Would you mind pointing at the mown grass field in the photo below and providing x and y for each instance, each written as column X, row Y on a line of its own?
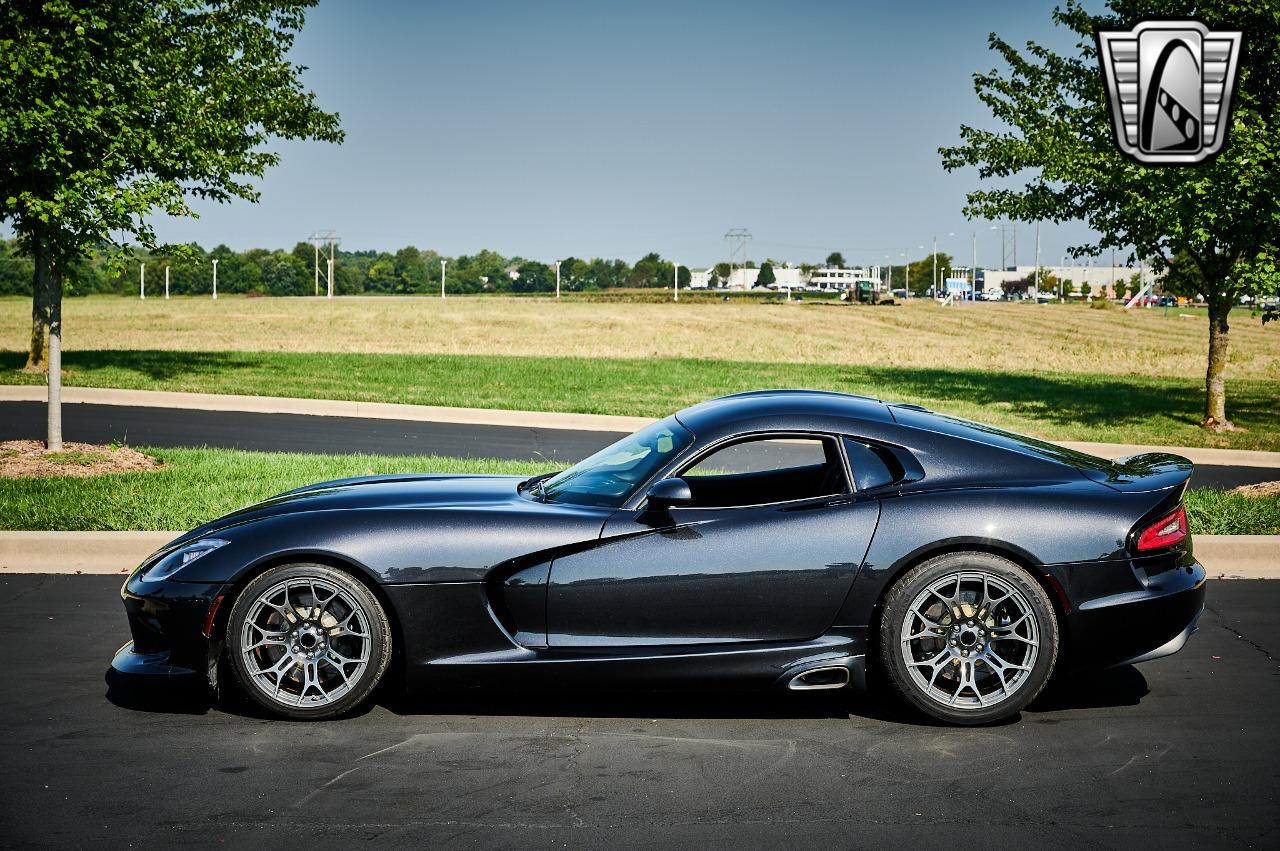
column 1000, row 337
column 1057, row 406
column 197, row 485
column 1059, row 372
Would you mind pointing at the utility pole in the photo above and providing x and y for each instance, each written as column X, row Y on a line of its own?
column 1037, row 258
column 557, row 279
column 322, row 239
column 166, row 283
column 215, row 280
column 675, row 279
column 142, row 281
column 974, row 266
column 935, row 267
column 738, row 239
column 442, row 264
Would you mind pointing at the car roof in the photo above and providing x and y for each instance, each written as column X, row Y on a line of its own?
column 756, row 404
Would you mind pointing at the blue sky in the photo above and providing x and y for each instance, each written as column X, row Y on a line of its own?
column 552, row 129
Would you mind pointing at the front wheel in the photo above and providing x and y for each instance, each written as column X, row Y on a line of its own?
column 307, row 641
column 968, row 638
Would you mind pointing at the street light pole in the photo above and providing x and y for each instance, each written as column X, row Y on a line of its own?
column 142, row 282
column 934, row 285
column 215, row 280
column 442, row 265
column 1037, row 259
column 166, row 283
column 675, row 280
column 557, row 279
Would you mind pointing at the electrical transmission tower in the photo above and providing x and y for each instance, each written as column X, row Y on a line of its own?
column 1008, row 239
column 325, row 239
column 737, row 239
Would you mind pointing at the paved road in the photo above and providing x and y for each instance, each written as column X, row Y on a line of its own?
column 302, row 433
column 1177, row 752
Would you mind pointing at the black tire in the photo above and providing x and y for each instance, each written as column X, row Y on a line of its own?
column 328, row 642
column 911, row 589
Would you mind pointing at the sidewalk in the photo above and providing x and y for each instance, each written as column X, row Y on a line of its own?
column 1224, row 556
column 498, row 417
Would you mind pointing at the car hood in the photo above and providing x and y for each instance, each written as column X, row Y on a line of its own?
column 378, row 492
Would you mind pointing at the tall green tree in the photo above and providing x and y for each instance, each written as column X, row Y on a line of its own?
column 1056, row 141
column 111, row 111
column 835, row 260
column 766, row 278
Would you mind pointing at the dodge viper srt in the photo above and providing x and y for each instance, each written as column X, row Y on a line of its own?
column 782, row 539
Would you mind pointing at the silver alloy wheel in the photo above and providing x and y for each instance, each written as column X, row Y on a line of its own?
column 305, row 642
column 970, row 640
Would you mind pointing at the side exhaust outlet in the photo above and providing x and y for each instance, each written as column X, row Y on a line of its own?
column 818, row 678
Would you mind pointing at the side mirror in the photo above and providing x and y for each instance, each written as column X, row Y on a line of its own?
column 669, row 492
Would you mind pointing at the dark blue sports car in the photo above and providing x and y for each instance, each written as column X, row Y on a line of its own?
column 781, row 539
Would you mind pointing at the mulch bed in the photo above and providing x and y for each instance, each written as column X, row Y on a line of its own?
column 25, row 459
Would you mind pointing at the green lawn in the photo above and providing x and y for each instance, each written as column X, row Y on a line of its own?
column 1057, row 406
column 200, row 484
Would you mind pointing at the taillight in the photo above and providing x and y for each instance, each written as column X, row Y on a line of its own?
column 1165, row 532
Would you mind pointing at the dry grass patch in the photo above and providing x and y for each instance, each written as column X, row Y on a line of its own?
column 27, row 459
column 998, row 337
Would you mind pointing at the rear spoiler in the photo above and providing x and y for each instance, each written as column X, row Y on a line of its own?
column 1150, row 471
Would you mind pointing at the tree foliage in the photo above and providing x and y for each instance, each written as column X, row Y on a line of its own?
column 112, row 111
column 1056, row 141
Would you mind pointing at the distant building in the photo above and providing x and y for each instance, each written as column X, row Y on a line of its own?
column 837, row 278
column 1102, row 280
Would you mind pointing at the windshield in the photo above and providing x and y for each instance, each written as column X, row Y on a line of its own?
column 607, row 478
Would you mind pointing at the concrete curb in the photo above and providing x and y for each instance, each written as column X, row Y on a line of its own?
column 1225, row 556
column 499, row 417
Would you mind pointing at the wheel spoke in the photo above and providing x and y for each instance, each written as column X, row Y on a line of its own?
column 287, row 616
column 970, row 600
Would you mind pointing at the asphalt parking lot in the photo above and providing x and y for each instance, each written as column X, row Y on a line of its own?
column 1177, row 752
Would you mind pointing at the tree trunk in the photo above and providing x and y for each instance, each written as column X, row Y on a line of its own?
column 1215, row 399
column 46, row 335
column 46, row 306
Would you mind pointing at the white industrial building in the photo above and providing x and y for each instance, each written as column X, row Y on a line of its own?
column 1101, row 279
column 786, row 278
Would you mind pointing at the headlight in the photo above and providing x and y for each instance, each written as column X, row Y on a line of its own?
column 182, row 556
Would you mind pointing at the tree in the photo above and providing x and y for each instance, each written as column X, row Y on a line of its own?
column 766, row 278
column 110, row 112
column 1224, row 214
column 835, row 260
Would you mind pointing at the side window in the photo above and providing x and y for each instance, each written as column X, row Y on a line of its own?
column 767, row 470
column 869, row 467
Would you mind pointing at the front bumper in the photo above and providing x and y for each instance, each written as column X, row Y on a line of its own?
column 167, row 620
column 1138, row 626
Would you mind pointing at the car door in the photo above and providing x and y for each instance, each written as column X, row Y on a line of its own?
column 767, row 552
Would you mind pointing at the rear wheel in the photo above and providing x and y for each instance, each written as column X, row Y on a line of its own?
column 968, row 638
column 307, row 641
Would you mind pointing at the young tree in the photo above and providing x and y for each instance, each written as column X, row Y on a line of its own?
column 767, row 278
column 1223, row 214
column 835, row 260
column 112, row 111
